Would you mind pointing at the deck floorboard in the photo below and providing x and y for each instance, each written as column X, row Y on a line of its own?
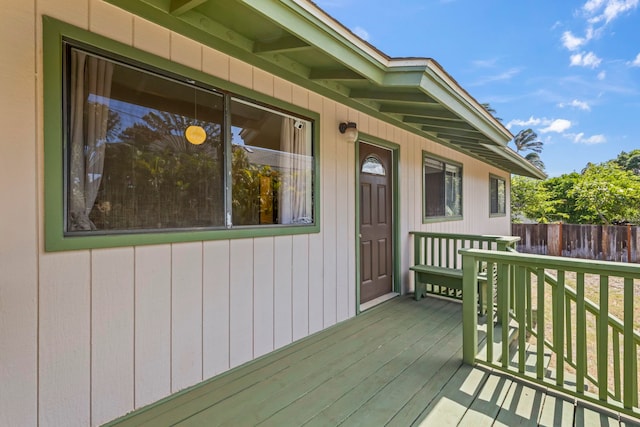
column 398, row 364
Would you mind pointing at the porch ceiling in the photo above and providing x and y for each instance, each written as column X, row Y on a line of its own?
column 297, row 41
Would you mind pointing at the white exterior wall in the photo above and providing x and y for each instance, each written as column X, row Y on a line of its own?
column 87, row 336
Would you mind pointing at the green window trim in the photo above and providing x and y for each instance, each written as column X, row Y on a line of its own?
column 55, row 33
column 497, row 213
column 441, row 218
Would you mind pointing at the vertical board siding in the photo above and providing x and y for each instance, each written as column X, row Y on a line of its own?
column 263, row 294
column 282, row 297
column 342, row 219
column 329, row 126
column 186, row 51
column 64, row 356
column 110, row 21
column 316, row 253
column 152, row 323
column 114, row 330
column 152, row 38
column 186, row 315
column 18, row 226
column 300, row 287
column 215, row 303
column 112, row 359
column 240, row 302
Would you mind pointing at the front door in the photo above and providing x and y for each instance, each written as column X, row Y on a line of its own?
column 376, row 222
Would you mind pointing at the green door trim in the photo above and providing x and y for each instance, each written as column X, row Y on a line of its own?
column 395, row 209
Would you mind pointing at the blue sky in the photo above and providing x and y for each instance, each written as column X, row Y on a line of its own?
column 570, row 70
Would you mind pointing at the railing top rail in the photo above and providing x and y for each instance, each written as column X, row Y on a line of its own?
column 477, row 237
column 606, row 268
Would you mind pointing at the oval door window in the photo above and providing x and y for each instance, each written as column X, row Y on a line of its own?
column 373, row 166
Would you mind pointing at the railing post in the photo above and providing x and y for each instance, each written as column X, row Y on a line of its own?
column 501, row 245
column 469, row 308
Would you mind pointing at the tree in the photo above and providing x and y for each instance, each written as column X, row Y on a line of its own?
column 559, row 189
column 490, row 110
column 527, row 140
column 629, row 161
column 530, row 199
column 607, row 194
column 535, row 160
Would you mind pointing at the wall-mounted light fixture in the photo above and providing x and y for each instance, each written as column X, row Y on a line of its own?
column 350, row 131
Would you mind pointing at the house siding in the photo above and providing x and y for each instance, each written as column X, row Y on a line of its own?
column 87, row 336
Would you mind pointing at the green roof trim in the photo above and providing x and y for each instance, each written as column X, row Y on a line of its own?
column 297, row 41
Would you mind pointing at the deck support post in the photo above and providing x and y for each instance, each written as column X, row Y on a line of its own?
column 469, row 308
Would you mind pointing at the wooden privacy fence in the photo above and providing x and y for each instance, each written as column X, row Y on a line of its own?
column 597, row 242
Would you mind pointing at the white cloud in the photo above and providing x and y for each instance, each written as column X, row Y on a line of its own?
column 581, row 105
column 593, row 5
column 572, row 42
column 592, row 140
column 551, row 125
column 557, row 125
column 361, row 32
column 635, row 62
column 529, row 122
column 582, row 59
column 506, row 75
column 602, row 75
column 607, row 10
column 484, row 63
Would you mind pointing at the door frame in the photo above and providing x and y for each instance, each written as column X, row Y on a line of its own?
column 395, row 209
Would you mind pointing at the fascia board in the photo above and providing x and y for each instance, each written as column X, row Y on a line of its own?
column 329, row 37
column 514, row 157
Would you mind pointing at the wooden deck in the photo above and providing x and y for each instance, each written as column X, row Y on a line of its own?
column 398, row 364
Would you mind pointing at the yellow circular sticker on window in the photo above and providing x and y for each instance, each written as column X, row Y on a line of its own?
column 195, row 134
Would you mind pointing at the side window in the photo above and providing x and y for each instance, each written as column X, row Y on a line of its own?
column 442, row 188
column 497, row 195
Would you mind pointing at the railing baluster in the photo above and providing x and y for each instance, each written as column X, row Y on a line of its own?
column 540, row 326
column 529, row 302
column 469, row 309
column 581, row 335
column 558, row 328
column 617, row 377
column 489, row 312
column 520, row 315
column 629, row 397
column 448, row 249
column 504, row 288
column 569, row 334
column 455, row 253
column 433, row 251
column 602, row 339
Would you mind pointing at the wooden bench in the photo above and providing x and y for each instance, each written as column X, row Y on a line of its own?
column 450, row 278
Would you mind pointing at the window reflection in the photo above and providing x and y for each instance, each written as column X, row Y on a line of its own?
column 373, row 166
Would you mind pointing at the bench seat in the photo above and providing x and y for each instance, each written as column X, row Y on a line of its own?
column 450, row 278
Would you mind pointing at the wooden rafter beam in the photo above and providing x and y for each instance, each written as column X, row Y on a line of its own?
column 454, row 138
column 281, row 45
column 410, row 110
column 335, row 74
column 378, row 95
column 451, row 130
column 179, row 7
column 447, row 124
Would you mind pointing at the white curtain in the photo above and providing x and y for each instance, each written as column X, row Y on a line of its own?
column 296, row 167
column 90, row 91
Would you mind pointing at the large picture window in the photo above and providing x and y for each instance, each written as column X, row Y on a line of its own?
column 442, row 188
column 497, row 195
column 145, row 151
